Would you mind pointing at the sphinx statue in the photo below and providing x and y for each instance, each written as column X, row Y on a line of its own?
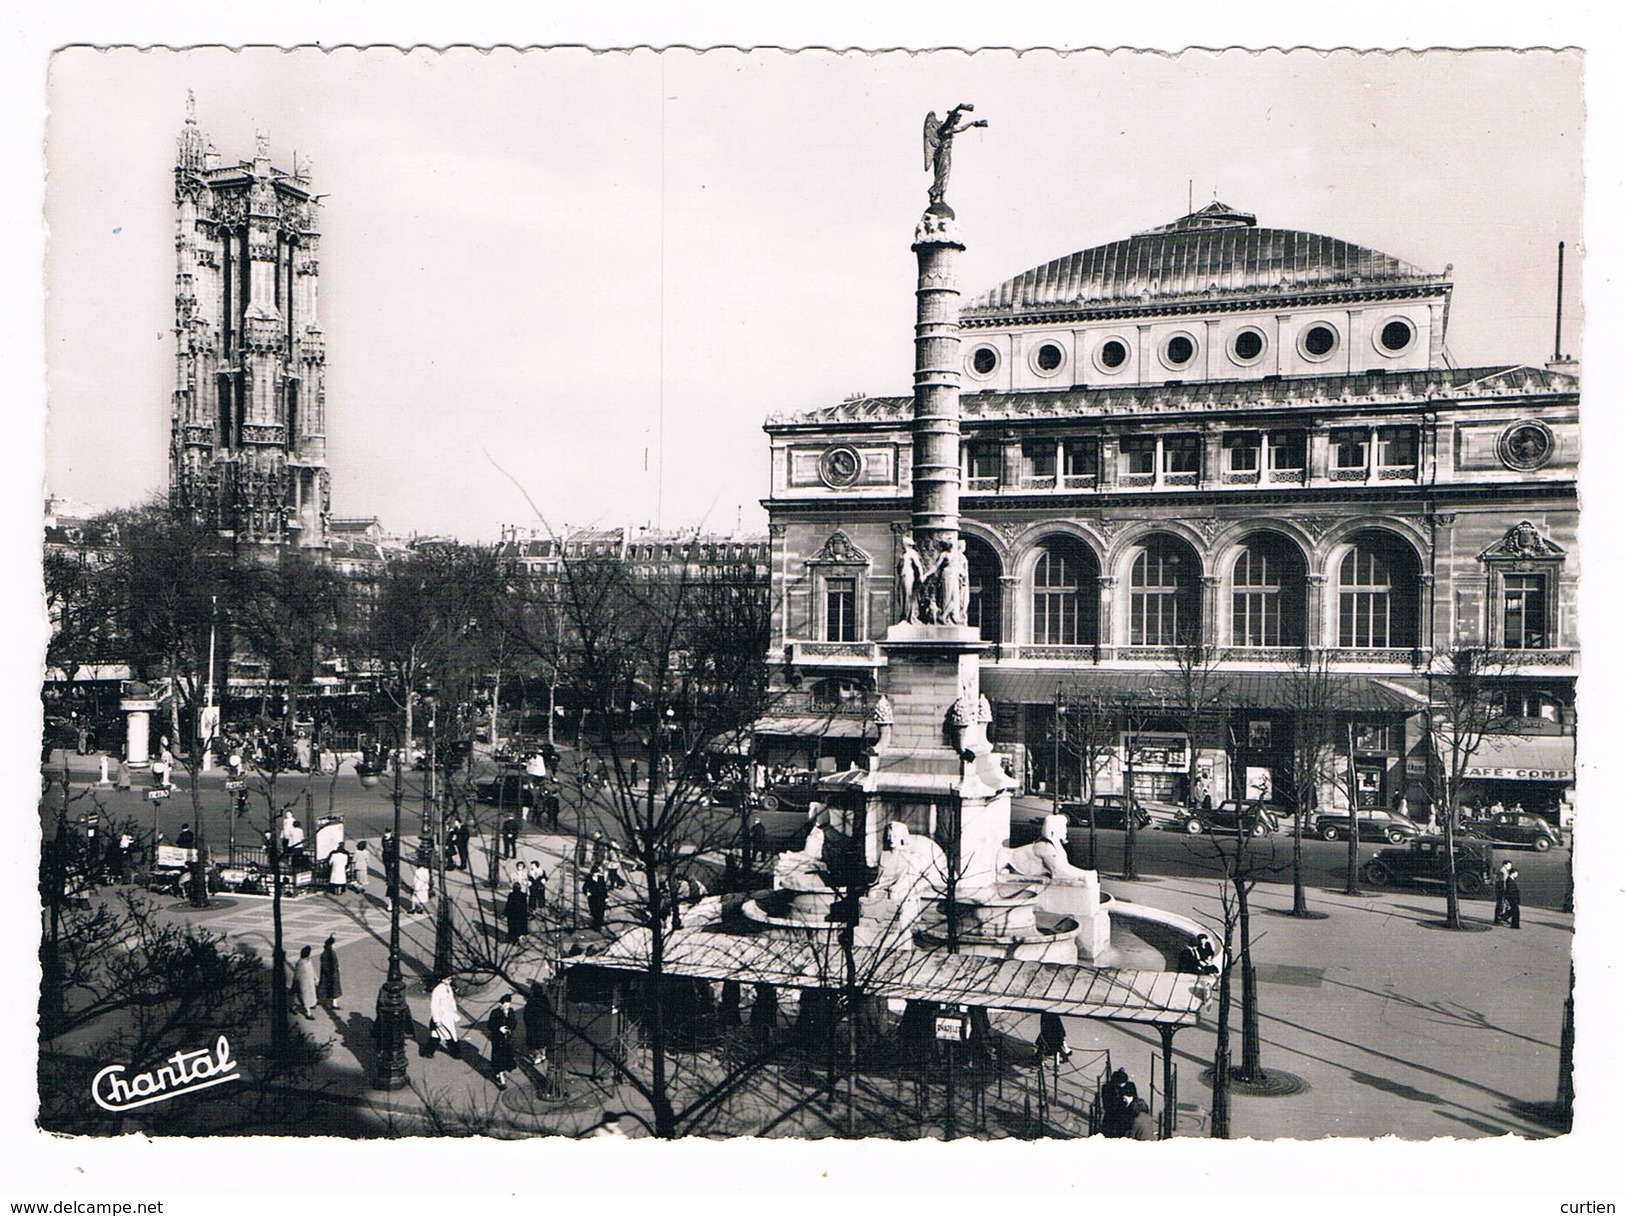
column 1045, row 857
column 911, row 869
column 803, row 870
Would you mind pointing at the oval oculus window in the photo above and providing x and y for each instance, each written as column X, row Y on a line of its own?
column 984, row 360
column 1113, row 354
column 1179, row 350
column 1049, row 357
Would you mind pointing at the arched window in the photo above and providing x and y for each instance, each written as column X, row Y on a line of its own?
column 1163, row 598
column 1267, row 598
column 1056, row 593
column 1377, row 596
column 1066, row 595
column 983, row 612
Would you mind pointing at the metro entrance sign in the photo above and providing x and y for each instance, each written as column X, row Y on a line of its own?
column 158, row 794
column 955, row 1027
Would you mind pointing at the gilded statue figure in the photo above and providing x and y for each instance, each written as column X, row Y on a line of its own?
column 939, row 147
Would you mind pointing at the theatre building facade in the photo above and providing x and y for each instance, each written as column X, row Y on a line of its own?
column 1217, row 439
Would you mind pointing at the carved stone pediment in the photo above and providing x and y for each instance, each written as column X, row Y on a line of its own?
column 839, row 550
column 1521, row 542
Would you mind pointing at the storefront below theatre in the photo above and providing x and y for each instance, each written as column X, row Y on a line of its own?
column 1535, row 772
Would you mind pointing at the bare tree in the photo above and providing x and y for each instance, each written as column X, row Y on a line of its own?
column 1311, row 701
column 1465, row 709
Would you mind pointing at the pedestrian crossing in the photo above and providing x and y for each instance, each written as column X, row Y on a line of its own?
column 307, row 920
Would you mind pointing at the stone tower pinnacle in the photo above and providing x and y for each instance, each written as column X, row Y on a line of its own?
column 248, row 445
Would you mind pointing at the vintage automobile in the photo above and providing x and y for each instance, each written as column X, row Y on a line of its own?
column 1110, row 810
column 1376, row 823
column 510, row 789
column 793, row 791
column 1424, row 860
column 1512, row 828
column 1229, row 817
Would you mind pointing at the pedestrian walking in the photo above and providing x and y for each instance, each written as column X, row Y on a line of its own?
column 536, row 882
column 517, row 913
column 442, row 1020
column 184, row 839
column 420, row 888
column 303, row 988
column 330, row 987
column 1052, row 1036
column 598, row 849
column 1117, row 1105
column 634, row 772
column 551, row 805
column 1514, row 899
column 338, row 871
column 1501, row 890
column 764, row 1012
column 758, row 842
column 728, row 1006
column 499, row 1026
column 363, row 877
column 597, row 891
column 389, row 853
column 612, row 867
column 121, row 780
column 539, row 1030
column 510, row 837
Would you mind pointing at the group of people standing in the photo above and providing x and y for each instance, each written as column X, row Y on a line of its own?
column 445, row 1033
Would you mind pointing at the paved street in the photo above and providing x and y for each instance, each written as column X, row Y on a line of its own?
column 1394, row 1024
column 367, row 813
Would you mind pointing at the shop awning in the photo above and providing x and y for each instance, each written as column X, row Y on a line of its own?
column 1229, row 690
column 812, row 726
column 1523, row 758
column 918, row 975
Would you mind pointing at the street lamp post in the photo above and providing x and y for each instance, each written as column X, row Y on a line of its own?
column 442, row 920
column 392, row 1015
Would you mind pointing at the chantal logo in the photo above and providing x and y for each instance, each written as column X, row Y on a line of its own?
column 182, row 1073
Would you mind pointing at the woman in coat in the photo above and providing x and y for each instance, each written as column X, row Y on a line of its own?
column 304, row 985
column 443, row 1018
column 500, row 1027
column 420, row 889
column 329, row 986
column 517, row 912
column 538, row 1023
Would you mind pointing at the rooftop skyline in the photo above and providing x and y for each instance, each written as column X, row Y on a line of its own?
column 592, row 278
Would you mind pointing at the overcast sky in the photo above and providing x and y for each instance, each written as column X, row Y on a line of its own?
column 597, row 274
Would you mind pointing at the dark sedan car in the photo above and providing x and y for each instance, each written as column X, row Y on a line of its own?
column 1424, row 860
column 1510, row 828
column 1229, row 816
column 1376, row 823
column 1111, row 811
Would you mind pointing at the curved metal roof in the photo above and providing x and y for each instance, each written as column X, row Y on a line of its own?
column 1216, row 249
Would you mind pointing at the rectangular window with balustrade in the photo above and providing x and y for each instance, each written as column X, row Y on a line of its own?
column 1242, row 450
column 1139, row 455
column 1182, row 454
column 1082, row 457
column 1038, row 458
column 1287, row 450
column 1349, row 449
column 1523, row 612
column 1396, row 447
column 840, row 609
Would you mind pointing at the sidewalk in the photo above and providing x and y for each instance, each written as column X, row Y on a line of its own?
column 1395, row 1026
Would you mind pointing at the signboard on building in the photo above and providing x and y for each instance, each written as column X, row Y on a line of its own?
column 1159, row 751
column 955, row 1027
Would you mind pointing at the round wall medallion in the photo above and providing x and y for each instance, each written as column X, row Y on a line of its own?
column 1526, row 444
column 840, row 467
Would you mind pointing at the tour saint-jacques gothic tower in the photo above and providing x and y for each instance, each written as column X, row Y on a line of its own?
column 248, row 448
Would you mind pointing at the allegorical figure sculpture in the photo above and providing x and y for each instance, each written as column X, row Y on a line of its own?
column 910, row 582
column 953, row 583
column 939, row 147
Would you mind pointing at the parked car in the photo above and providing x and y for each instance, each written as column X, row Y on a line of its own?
column 1424, row 860
column 793, row 791
column 1510, row 828
column 1229, row 817
column 510, row 790
column 1111, row 811
column 450, row 755
column 1376, row 823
